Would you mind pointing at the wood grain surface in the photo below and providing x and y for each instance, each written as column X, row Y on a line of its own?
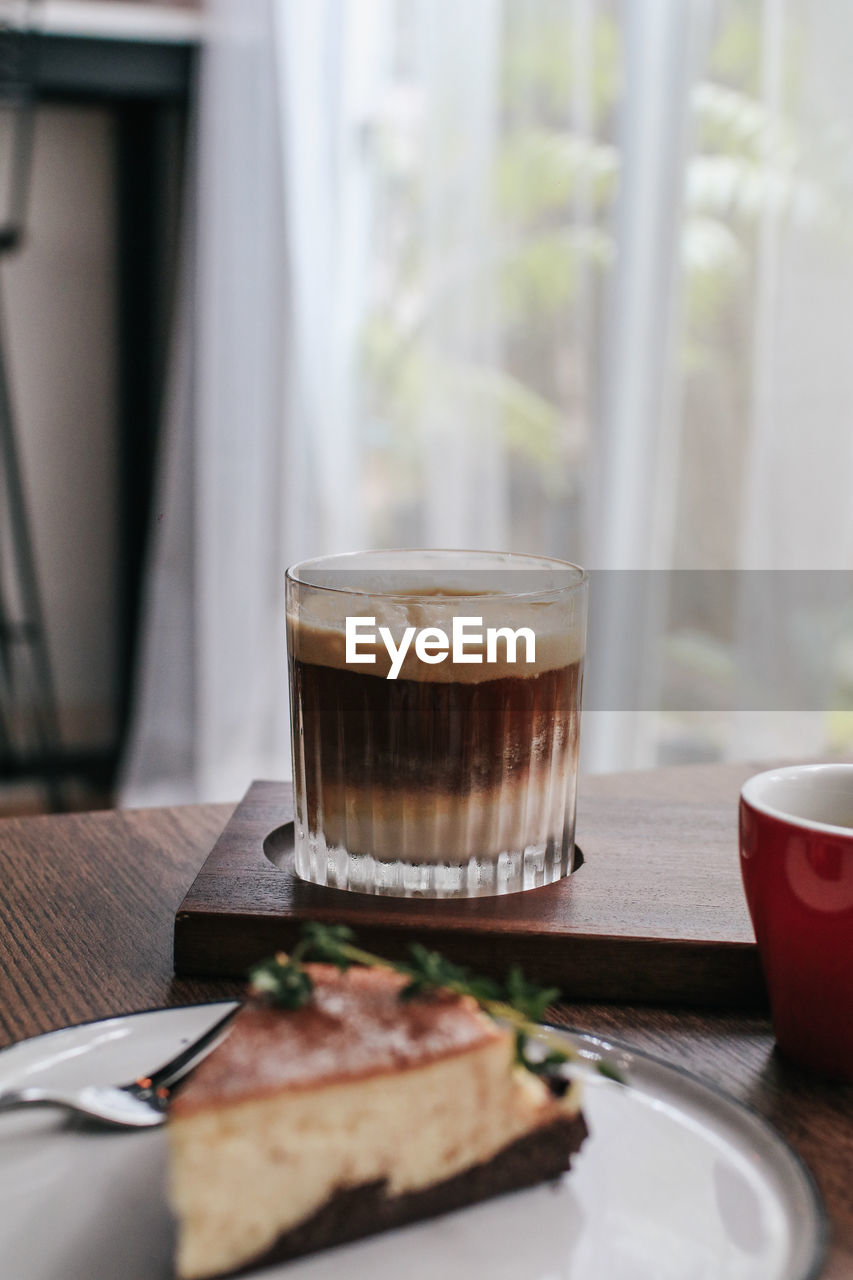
column 655, row 914
column 87, row 908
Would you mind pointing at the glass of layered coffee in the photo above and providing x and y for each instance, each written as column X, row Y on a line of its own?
column 435, row 708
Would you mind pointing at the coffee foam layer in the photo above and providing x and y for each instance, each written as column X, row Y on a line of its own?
column 316, row 629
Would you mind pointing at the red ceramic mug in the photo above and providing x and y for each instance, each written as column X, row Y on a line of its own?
column 796, row 859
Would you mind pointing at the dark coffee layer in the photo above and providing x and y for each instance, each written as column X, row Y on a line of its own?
column 367, row 1210
column 358, row 731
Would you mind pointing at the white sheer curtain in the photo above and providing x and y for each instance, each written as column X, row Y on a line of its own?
column 566, row 276
column 798, row 470
column 210, row 695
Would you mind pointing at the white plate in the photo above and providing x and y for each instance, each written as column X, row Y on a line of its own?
column 676, row 1182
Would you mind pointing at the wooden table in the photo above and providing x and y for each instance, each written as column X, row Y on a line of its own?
column 87, row 903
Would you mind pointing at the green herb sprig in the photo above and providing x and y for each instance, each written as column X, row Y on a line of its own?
column 517, row 1002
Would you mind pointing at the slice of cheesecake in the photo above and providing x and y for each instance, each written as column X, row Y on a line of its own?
column 358, row 1112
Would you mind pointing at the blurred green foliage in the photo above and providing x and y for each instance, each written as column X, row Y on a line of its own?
column 541, row 52
column 536, row 286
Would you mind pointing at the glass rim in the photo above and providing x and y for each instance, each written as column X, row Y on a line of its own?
column 292, row 573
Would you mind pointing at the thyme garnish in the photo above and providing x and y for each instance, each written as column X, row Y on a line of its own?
column 521, row 1004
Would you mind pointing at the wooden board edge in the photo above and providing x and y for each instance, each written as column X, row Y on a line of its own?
column 585, row 967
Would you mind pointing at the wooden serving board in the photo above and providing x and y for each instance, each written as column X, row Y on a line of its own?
column 655, row 915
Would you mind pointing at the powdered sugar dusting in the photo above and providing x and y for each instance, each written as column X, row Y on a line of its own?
column 355, row 1026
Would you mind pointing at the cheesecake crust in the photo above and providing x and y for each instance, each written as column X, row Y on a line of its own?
column 355, row 1026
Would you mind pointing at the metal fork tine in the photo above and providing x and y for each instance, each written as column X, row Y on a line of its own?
column 174, row 1070
column 140, row 1105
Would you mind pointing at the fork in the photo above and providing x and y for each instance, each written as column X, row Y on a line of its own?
column 142, row 1104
